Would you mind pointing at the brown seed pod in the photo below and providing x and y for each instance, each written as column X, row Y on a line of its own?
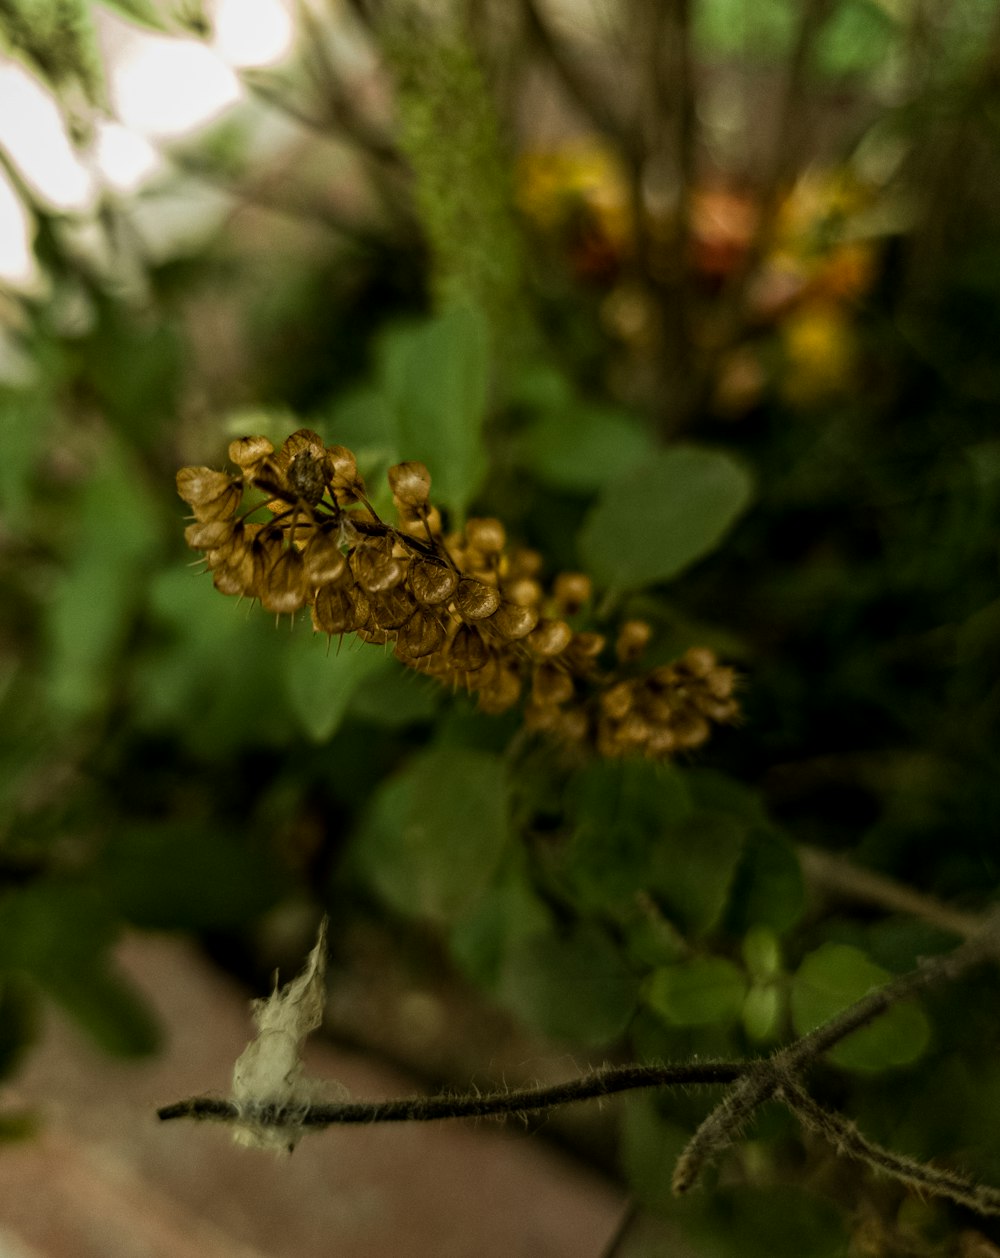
column 392, row 608
column 248, row 452
column 374, row 567
column 467, row 651
column 633, row 638
column 210, row 534
column 571, row 591
column 285, row 587
column 618, row 700
column 338, row 609
column 502, row 693
column 432, row 582
column 211, row 495
column 699, row 661
column 487, row 536
column 342, row 474
column 551, row 685
column 474, row 600
column 550, row 638
column 410, row 484
column 512, row 622
column 524, row 591
column 422, row 634
column 307, row 475
column 323, row 558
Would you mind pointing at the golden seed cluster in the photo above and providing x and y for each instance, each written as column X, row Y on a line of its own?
column 462, row 607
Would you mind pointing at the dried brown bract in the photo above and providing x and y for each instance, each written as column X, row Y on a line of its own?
column 465, row 608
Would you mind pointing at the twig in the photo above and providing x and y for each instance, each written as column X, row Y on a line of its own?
column 833, row 873
column 722, row 1126
column 847, row 1140
column 490, row 1104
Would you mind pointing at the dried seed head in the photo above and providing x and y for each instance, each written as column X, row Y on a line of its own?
column 339, row 609
column 285, row 586
column 432, row 582
column 721, row 682
column 502, row 692
column 210, row 534
column 342, row 474
column 392, row 608
column 307, row 476
column 699, row 661
column 572, row 590
column 410, row 484
column 551, row 686
column 324, row 561
column 248, row 452
column 211, row 495
column 512, row 622
column 474, row 600
column 633, row 638
column 617, row 700
column 524, row 591
column 422, row 634
column 487, row 536
column 467, row 652
column 374, row 567
column 551, row 637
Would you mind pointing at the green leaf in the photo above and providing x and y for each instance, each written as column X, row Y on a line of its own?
column 693, row 868
column 58, row 934
column 507, row 912
column 90, row 611
column 436, row 832
column 835, row 976
column 322, row 677
column 583, row 448
column 661, row 517
column 576, row 988
column 767, row 889
column 393, row 696
column 436, row 379
column 762, row 1012
column 620, row 810
column 650, row 1147
column 699, row 992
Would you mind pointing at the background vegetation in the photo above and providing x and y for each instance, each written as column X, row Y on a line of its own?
column 576, row 261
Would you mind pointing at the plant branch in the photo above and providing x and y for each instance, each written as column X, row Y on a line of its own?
column 490, row 1104
column 848, row 1141
column 722, row 1126
column 833, row 873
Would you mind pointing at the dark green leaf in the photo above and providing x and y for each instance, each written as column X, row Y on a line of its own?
column 767, row 888
column 436, row 378
column 583, row 448
column 322, row 677
column 661, row 517
column 436, row 832
column 575, row 988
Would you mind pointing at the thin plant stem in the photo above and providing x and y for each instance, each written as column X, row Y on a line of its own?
column 849, row 1141
column 490, row 1104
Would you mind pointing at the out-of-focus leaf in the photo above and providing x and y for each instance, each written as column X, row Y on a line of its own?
column 142, row 11
column 91, row 610
column 58, row 935
column 435, row 832
column 858, row 38
column 185, row 877
column 583, row 448
column 507, row 912
column 650, row 1147
column 436, row 378
column 620, row 810
column 767, row 889
column 771, row 1222
column 322, row 678
column 392, row 696
column 698, row 992
column 664, row 515
column 575, row 988
column 835, row 976
column 762, row 1012
column 694, row 862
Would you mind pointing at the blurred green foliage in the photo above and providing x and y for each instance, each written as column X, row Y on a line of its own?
column 170, row 760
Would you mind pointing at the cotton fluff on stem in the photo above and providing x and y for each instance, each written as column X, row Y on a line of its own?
column 268, row 1073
